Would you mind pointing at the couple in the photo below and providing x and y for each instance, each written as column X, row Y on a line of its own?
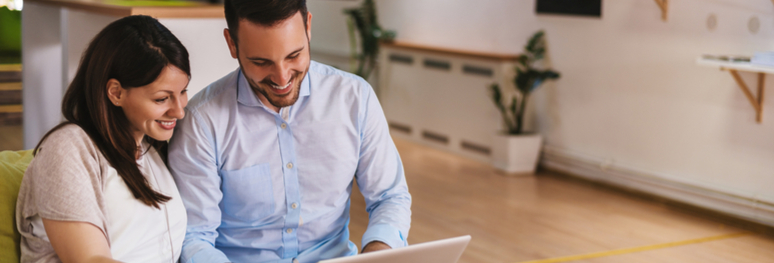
column 260, row 168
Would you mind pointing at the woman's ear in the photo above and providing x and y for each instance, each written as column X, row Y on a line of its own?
column 115, row 92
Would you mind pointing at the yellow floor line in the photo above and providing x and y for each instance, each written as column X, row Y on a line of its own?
column 636, row 249
column 10, row 67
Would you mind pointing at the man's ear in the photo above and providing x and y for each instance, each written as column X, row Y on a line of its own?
column 115, row 92
column 230, row 41
column 309, row 26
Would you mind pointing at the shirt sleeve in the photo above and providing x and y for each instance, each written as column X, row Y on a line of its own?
column 381, row 179
column 65, row 178
column 193, row 164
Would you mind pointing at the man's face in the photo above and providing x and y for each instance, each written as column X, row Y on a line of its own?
column 274, row 59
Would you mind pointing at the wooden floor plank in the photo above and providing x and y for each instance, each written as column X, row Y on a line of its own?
column 10, row 67
column 11, row 108
column 10, row 86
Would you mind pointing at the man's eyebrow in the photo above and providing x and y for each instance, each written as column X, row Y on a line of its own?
column 296, row 51
column 260, row 58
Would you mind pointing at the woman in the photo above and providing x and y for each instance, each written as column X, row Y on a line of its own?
column 98, row 189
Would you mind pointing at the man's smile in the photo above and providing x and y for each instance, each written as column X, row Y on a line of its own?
column 281, row 90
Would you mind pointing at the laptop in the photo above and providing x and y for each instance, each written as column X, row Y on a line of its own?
column 440, row 251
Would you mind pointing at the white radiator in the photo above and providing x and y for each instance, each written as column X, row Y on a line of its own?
column 440, row 98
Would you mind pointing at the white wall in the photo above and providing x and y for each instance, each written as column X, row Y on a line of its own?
column 631, row 97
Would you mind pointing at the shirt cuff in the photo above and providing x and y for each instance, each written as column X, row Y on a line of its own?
column 384, row 233
column 208, row 255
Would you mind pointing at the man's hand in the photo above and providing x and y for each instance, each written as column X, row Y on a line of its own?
column 375, row 246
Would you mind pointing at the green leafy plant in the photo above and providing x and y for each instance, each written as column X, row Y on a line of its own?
column 527, row 79
column 10, row 35
column 362, row 20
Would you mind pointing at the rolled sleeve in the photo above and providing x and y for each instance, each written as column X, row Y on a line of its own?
column 381, row 179
column 384, row 233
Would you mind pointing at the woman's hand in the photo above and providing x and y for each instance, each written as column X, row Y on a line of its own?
column 77, row 241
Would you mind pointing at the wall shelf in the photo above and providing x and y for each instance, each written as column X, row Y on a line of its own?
column 734, row 67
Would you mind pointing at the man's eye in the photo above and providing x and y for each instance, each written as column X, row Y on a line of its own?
column 162, row 99
column 294, row 56
column 260, row 64
column 184, row 91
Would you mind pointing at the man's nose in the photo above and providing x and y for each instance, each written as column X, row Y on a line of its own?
column 282, row 74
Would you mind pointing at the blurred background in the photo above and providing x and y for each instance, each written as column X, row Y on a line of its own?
column 570, row 127
column 10, row 75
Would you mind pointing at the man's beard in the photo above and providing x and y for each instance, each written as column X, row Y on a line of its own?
column 275, row 100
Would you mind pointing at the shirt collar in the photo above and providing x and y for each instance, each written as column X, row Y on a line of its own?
column 247, row 97
column 305, row 84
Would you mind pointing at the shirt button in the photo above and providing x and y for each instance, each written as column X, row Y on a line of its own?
column 294, row 205
column 290, row 165
column 283, row 125
column 289, row 230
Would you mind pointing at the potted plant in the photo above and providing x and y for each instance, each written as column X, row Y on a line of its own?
column 514, row 150
column 363, row 20
column 10, row 34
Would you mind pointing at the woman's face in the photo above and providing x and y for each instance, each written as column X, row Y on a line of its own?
column 154, row 109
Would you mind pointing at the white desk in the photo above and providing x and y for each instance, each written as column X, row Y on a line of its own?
column 734, row 67
column 56, row 32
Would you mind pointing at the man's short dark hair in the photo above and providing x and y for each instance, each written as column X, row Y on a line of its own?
column 261, row 12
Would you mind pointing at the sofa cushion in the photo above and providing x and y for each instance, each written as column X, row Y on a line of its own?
column 12, row 167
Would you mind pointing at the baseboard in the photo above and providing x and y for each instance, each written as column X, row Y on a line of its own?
column 744, row 208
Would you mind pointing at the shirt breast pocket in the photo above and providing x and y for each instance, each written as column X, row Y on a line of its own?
column 248, row 193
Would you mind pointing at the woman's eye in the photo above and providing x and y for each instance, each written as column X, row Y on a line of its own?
column 162, row 99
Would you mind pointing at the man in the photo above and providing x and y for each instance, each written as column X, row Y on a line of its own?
column 266, row 158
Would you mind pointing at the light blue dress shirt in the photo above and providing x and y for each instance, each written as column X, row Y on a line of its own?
column 262, row 186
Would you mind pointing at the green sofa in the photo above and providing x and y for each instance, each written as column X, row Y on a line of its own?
column 12, row 167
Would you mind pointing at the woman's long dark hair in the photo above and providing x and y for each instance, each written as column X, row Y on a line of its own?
column 132, row 50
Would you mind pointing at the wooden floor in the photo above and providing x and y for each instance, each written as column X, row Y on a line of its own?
column 548, row 218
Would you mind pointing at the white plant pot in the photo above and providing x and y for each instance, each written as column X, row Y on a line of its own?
column 516, row 154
